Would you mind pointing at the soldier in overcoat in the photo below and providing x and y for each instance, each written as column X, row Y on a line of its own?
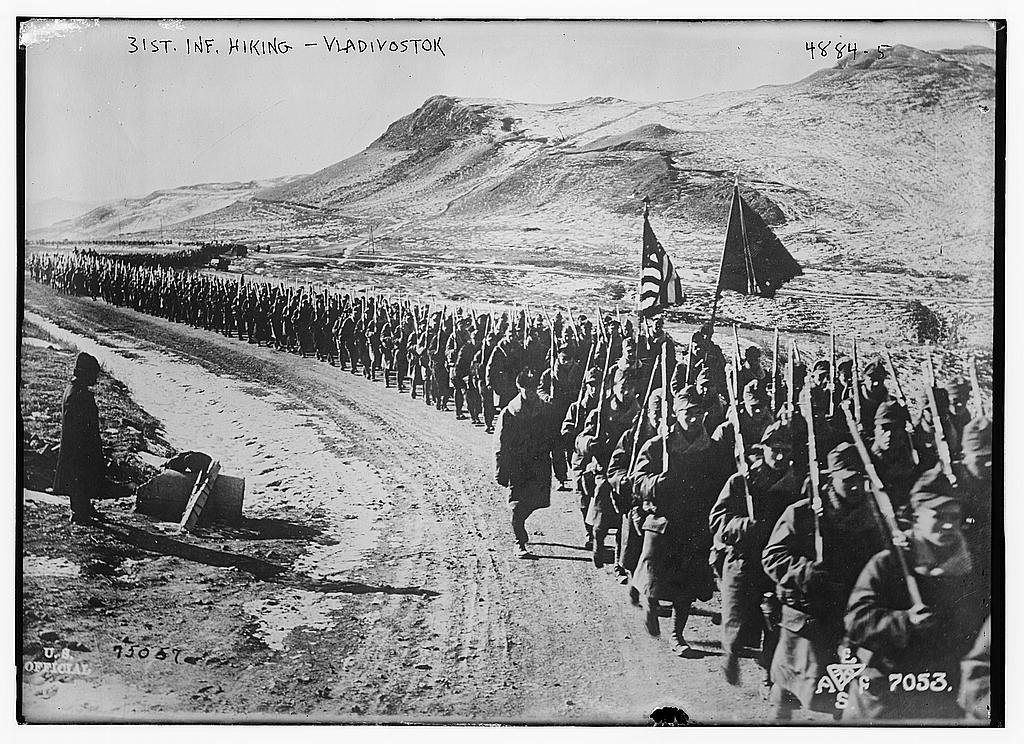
column 921, row 644
column 677, row 496
column 524, row 439
column 813, row 588
column 80, row 472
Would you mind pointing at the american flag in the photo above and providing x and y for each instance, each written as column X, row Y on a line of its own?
column 659, row 284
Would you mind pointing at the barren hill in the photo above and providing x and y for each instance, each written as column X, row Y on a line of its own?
column 878, row 166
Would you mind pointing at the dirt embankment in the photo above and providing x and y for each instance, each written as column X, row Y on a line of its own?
column 373, row 578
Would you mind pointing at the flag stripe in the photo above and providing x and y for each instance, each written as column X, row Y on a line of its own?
column 660, row 286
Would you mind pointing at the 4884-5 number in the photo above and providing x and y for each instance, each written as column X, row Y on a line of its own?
column 921, row 682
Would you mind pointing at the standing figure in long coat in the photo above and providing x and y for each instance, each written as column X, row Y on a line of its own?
column 812, row 588
column 677, row 496
column 740, row 536
column 80, row 465
column 524, row 440
column 620, row 477
column 595, row 445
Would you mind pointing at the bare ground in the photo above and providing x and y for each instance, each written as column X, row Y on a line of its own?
column 426, row 614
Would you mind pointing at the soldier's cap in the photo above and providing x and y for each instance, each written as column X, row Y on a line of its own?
column 844, row 462
column 754, row 393
column 931, row 490
column 958, row 385
column 86, row 366
column 845, row 364
column 688, row 398
column 822, row 364
column 892, row 413
column 751, row 351
column 527, row 380
column 876, row 370
column 777, row 433
column 977, row 437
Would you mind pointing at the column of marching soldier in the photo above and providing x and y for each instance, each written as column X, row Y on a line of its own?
column 860, row 586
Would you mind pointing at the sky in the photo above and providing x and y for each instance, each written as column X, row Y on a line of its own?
column 104, row 123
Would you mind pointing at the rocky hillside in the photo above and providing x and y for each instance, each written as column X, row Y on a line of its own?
column 879, row 167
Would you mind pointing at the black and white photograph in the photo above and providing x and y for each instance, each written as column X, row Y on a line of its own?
column 552, row 372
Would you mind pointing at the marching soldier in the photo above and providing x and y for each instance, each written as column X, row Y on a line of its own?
column 604, row 426
column 813, row 588
column 677, row 495
column 524, row 438
column 755, row 416
column 480, row 361
column 621, row 479
column 769, row 487
column 922, row 643
column 502, row 368
column 974, row 492
column 751, row 369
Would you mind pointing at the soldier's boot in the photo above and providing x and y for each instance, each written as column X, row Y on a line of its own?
column 599, row 548
column 634, row 596
column 731, row 669
column 680, row 614
column 589, row 544
column 783, row 703
column 652, row 623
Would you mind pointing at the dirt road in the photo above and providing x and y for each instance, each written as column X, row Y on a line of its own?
column 426, row 613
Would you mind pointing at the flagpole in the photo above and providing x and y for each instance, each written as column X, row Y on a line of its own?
column 752, row 287
column 721, row 265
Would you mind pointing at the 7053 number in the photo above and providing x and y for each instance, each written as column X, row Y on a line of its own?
column 922, row 682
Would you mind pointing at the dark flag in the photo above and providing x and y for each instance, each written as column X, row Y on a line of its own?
column 754, row 261
column 659, row 284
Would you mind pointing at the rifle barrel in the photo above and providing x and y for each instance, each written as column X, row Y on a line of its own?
column 812, row 470
column 883, row 503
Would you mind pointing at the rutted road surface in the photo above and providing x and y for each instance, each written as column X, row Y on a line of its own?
column 420, row 605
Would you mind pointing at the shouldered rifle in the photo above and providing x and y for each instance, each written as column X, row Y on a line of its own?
column 643, row 411
column 690, row 359
column 575, row 330
column 775, row 374
column 883, row 505
column 551, row 352
column 941, row 445
column 738, row 450
column 902, row 400
column 813, row 473
column 583, row 385
column 978, row 406
column 736, row 359
column 833, row 386
column 664, row 404
column 600, row 391
column 856, row 384
column 791, row 375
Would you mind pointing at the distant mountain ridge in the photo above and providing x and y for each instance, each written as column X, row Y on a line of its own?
column 851, row 161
